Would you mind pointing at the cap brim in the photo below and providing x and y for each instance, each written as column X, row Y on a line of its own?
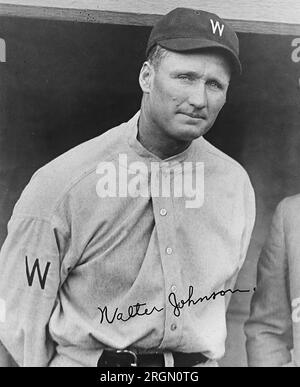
column 189, row 44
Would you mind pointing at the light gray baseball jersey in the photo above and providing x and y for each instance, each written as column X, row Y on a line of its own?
column 104, row 244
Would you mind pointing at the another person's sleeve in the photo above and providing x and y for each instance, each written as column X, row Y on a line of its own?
column 29, row 283
column 269, row 328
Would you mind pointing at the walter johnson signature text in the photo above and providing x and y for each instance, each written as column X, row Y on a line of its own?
column 141, row 309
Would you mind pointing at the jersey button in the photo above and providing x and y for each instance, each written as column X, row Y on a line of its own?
column 163, row 212
column 169, row 250
column 173, row 288
column 173, row 327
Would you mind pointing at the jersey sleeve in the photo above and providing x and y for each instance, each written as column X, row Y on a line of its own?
column 29, row 283
column 248, row 224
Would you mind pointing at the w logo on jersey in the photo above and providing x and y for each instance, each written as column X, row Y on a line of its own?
column 215, row 25
column 36, row 267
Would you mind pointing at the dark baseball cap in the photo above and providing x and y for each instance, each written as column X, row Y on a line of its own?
column 186, row 29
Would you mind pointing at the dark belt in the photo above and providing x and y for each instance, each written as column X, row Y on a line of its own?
column 129, row 358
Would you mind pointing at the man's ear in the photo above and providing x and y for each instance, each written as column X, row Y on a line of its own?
column 146, row 77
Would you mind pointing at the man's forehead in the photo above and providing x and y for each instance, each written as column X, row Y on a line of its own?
column 210, row 59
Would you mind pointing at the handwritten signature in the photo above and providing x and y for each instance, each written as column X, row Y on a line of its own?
column 139, row 309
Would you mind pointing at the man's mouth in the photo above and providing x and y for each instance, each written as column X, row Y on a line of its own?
column 195, row 116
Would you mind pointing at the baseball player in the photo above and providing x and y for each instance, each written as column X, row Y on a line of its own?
column 124, row 251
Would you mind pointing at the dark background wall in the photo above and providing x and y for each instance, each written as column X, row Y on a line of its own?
column 64, row 83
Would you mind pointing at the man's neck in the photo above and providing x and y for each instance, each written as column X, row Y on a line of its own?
column 152, row 139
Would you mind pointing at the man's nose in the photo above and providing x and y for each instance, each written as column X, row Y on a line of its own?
column 198, row 96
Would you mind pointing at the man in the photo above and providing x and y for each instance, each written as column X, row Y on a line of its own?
column 113, row 257
column 273, row 328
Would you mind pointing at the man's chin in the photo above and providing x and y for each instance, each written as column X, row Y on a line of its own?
column 190, row 133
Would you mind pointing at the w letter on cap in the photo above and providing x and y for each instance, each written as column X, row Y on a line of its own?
column 2, row 311
column 216, row 25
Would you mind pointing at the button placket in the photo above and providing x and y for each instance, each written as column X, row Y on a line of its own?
column 166, row 233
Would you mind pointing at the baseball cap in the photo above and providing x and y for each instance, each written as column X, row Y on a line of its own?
column 186, row 29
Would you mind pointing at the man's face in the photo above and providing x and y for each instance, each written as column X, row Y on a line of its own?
column 186, row 93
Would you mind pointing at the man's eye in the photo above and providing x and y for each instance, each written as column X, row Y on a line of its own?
column 184, row 77
column 215, row 85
